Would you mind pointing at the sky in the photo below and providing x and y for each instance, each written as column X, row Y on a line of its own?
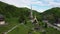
column 38, row 5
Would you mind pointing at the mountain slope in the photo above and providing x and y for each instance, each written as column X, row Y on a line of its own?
column 53, row 14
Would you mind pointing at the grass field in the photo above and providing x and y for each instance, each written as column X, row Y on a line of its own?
column 11, row 22
column 24, row 29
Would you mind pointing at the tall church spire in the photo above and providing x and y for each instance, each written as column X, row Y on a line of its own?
column 31, row 14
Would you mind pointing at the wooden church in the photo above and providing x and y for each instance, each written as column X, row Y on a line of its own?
column 34, row 20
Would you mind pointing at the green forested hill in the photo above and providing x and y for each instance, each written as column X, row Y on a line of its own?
column 12, row 11
column 53, row 14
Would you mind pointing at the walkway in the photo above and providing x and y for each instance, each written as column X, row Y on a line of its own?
column 12, row 29
column 51, row 25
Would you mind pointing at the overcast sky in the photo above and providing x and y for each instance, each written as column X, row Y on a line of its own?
column 39, row 5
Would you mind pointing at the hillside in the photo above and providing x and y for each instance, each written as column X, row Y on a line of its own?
column 53, row 14
column 14, row 14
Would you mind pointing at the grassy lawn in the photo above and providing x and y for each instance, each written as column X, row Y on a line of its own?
column 24, row 29
column 19, row 30
column 11, row 22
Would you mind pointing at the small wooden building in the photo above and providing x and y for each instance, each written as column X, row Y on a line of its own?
column 58, row 23
column 2, row 21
